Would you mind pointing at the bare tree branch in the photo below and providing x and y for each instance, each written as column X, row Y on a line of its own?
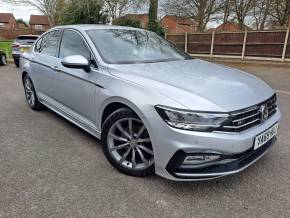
column 242, row 9
column 262, row 10
column 202, row 11
column 47, row 7
column 117, row 8
column 280, row 12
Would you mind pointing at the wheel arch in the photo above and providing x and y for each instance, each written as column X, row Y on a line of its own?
column 23, row 74
column 114, row 103
column 111, row 108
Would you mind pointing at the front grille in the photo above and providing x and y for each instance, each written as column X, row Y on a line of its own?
column 246, row 118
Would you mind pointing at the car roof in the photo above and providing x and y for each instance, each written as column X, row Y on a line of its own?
column 84, row 27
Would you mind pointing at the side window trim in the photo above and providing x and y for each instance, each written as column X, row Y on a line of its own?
column 35, row 44
column 87, row 44
column 59, row 43
column 40, row 40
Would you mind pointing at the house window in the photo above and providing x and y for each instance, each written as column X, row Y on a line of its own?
column 2, row 25
column 38, row 27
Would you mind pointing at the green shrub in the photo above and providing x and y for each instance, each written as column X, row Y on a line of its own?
column 160, row 30
column 127, row 22
column 5, row 46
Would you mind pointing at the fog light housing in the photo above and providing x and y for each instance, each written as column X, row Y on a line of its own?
column 195, row 159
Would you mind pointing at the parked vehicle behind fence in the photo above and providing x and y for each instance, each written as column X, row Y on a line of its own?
column 22, row 44
column 155, row 109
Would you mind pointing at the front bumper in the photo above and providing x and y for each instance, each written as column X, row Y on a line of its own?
column 227, row 165
column 236, row 150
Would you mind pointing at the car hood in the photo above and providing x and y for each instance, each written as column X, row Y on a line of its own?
column 197, row 84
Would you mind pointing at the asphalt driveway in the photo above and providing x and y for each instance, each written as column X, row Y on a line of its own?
column 51, row 168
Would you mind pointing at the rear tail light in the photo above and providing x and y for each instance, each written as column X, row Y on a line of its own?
column 15, row 45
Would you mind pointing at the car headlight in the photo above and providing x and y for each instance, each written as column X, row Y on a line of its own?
column 192, row 120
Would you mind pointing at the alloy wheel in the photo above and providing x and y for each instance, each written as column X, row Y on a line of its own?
column 130, row 145
column 29, row 91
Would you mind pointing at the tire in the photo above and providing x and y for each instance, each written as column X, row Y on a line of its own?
column 16, row 62
column 3, row 60
column 30, row 94
column 123, row 148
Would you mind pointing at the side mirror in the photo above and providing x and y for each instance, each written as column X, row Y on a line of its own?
column 76, row 62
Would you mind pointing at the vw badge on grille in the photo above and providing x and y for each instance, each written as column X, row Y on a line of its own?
column 264, row 112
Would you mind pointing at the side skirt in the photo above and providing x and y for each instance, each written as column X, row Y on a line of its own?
column 90, row 128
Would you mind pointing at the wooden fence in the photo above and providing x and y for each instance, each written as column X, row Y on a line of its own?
column 259, row 45
column 6, row 34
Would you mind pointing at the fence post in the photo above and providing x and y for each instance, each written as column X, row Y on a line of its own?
column 7, row 54
column 285, row 45
column 165, row 36
column 186, row 42
column 212, row 44
column 244, row 44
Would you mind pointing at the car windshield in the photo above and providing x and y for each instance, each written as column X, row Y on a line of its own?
column 120, row 46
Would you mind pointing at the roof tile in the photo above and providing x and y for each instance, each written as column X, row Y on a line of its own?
column 38, row 20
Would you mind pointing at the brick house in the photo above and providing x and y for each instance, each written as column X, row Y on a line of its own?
column 229, row 27
column 142, row 18
column 39, row 23
column 178, row 25
column 7, row 21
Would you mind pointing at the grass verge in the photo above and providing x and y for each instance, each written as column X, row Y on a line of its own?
column 5, row 45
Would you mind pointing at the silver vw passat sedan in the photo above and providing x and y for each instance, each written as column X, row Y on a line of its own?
column 154, row 108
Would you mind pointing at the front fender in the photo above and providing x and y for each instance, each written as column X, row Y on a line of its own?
column 134, row 96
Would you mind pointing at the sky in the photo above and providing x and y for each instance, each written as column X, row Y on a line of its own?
column 24, row 12
column 19, row 11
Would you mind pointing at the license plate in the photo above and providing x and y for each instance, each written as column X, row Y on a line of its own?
column 24, row 50
column 266, row 136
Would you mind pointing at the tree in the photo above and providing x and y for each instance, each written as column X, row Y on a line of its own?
column 201, row 11
column 21, row 21
column 242, row 9
column 127, row 22
column 262, row 9
column 226, row 10
column 60, row 5
column 152, row 16
column 84, row 12
column 280, row 12
column 117, row 8
column 47, row 7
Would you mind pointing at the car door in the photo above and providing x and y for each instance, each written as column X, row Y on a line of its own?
column 43, row 62
column 75, row 88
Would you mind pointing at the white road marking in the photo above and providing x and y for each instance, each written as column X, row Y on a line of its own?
column 283, row 92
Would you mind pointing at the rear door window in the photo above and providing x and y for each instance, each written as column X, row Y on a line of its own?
column 48, row 44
